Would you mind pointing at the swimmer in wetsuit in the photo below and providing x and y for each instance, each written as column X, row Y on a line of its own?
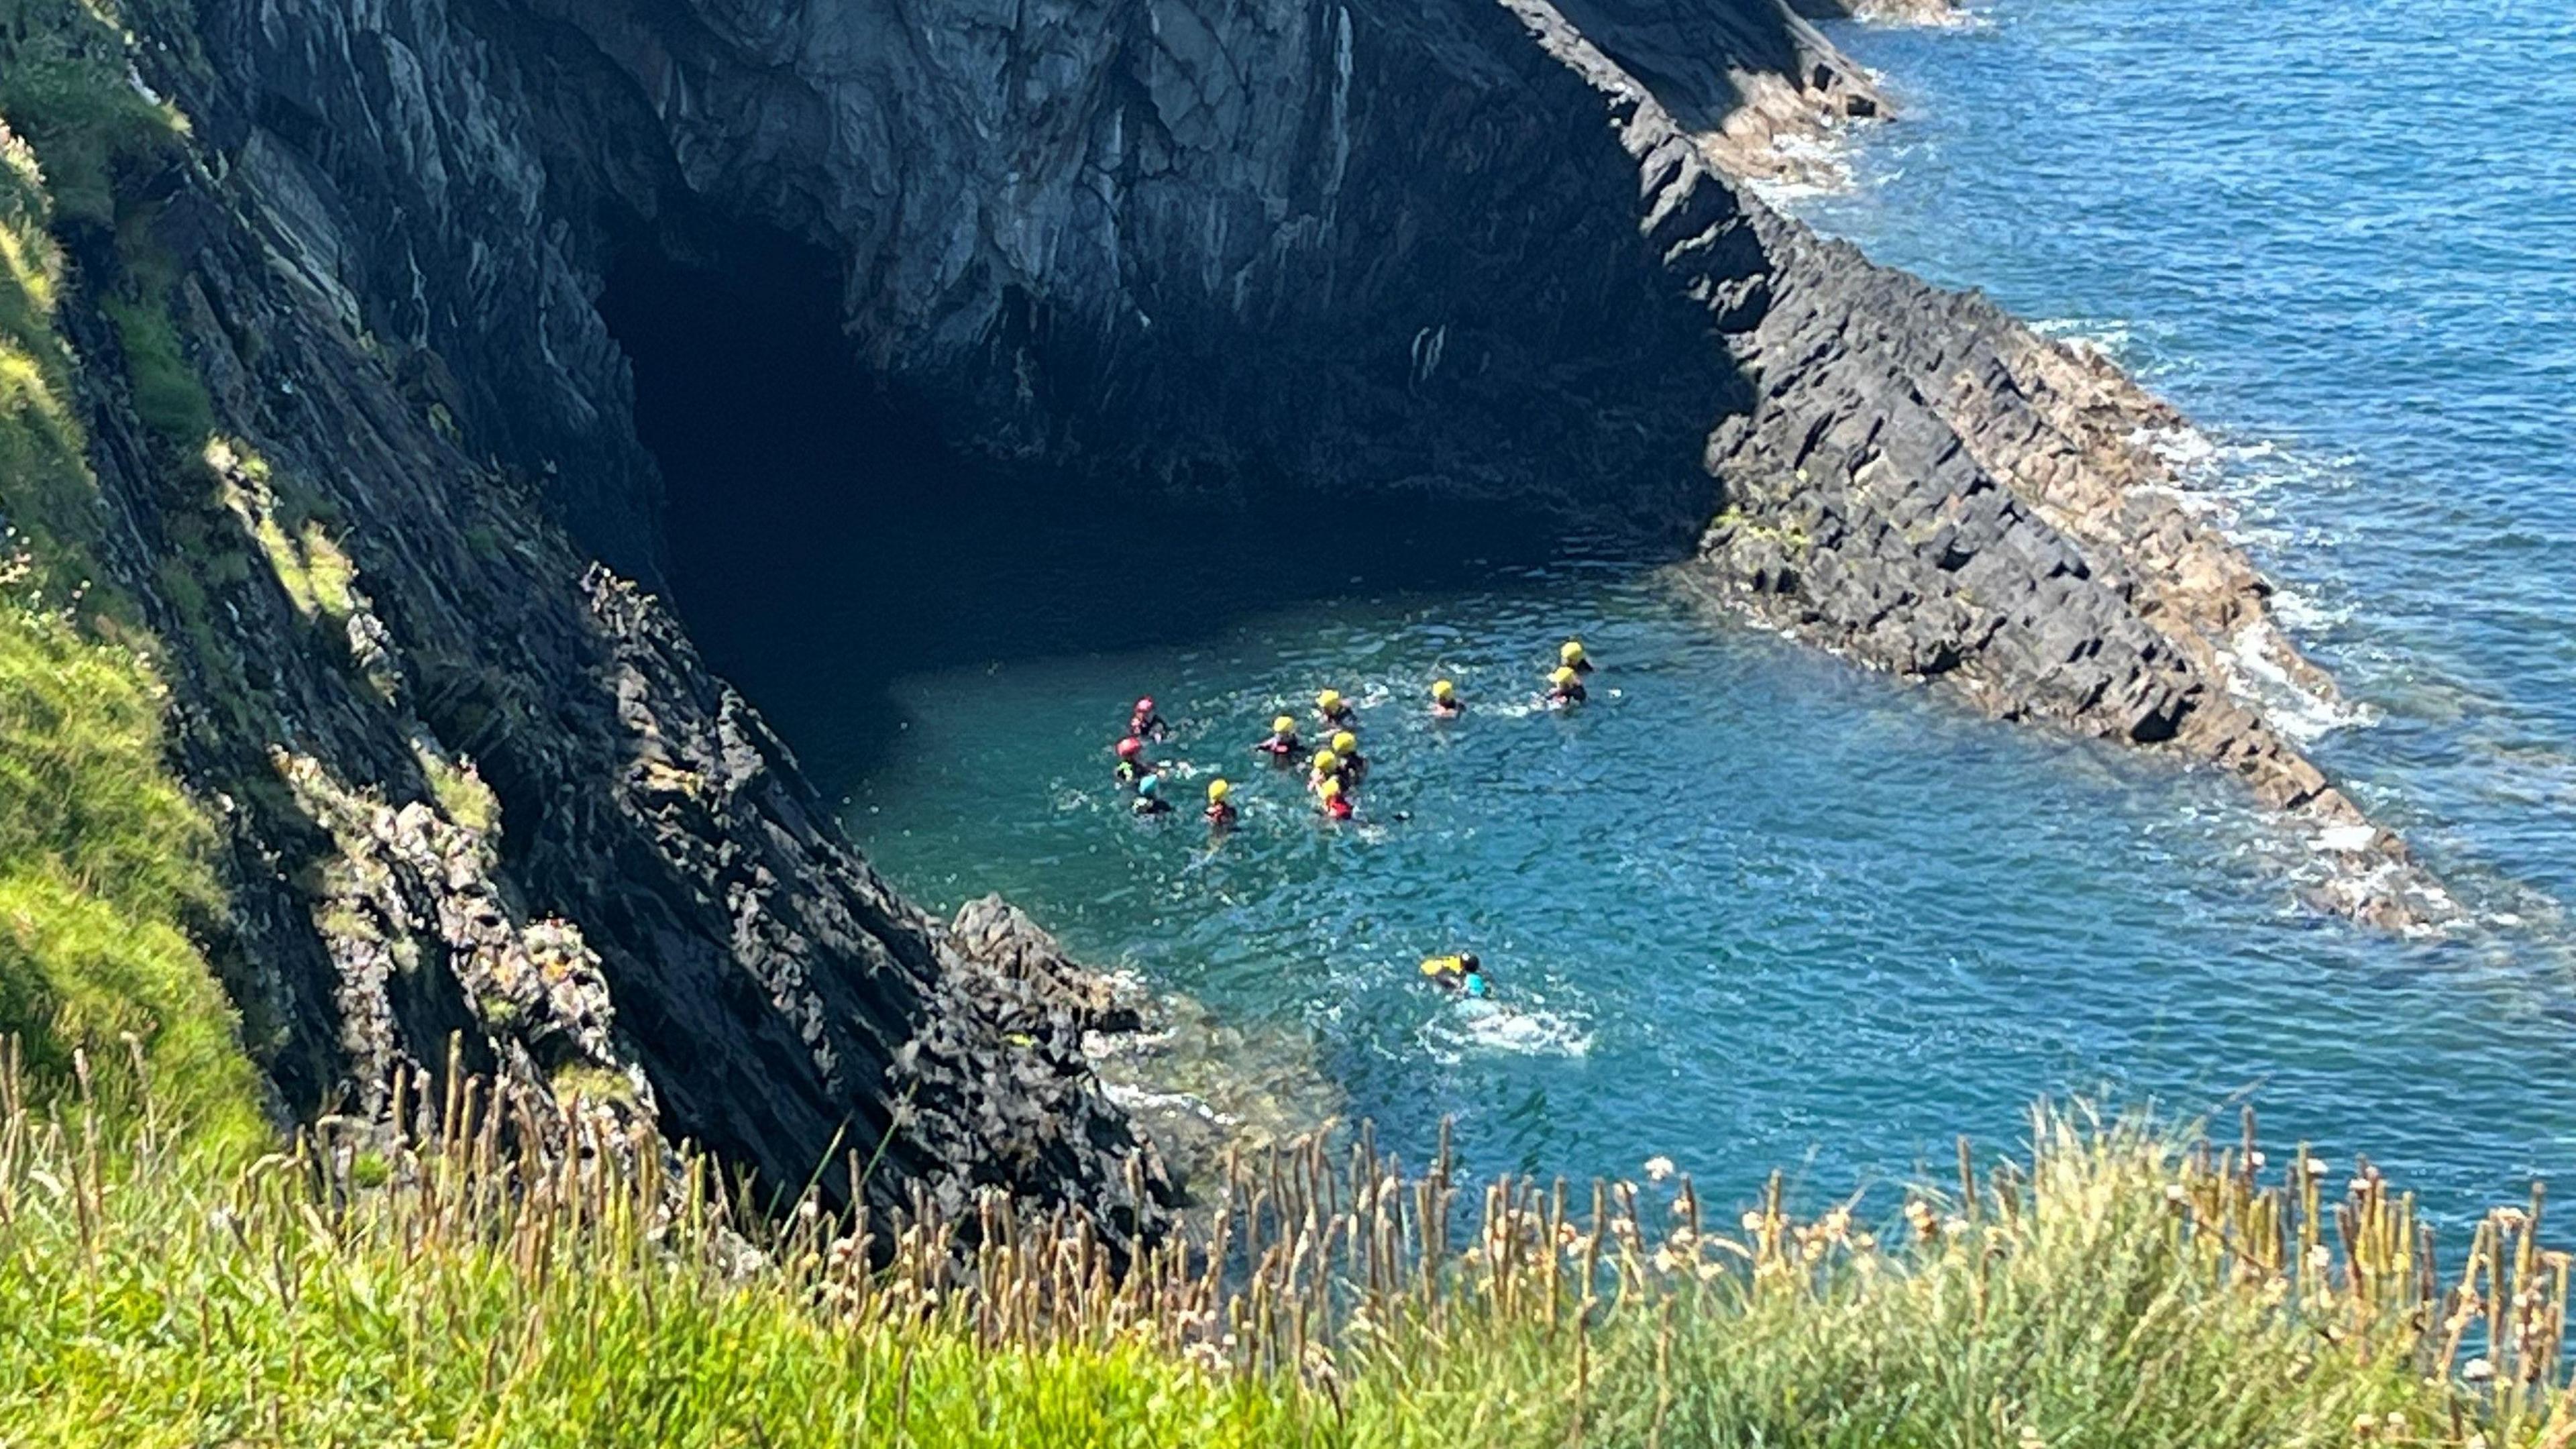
column 1347, row 746
column 1459, row 975
column 1327, row 766
column 1282, row 746
column 1337, row 806
column 1149, row 796
column 1131, row 766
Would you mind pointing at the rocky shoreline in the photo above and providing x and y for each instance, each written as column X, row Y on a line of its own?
column 1927, row 486
column 1196, row 1087
column 476, row 786
column 1992, row 512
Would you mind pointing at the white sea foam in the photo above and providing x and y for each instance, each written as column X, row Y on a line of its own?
column 2102, row 337
column 2223, row 484
column 2301, row 614
column 1494, row 1026
column 1818, row 164
column 1139, row 1099
column 2254, row 671
column 1959, row 17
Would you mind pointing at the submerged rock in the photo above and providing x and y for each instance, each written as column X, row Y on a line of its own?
column 1194, row 1084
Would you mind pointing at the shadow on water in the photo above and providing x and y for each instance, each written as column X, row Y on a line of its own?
column 1750, row 908
column 820, row 531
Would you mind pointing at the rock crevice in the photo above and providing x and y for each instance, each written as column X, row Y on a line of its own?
column 476, row 782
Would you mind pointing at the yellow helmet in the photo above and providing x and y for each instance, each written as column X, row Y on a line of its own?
column 1346, row 744
column 1328, row 699
column 1327, row 762
column 1570, row 652
column 1562, row 676
column 1218, row 789
column 1442, row 689
column 1331, row 789
column 1284, row 725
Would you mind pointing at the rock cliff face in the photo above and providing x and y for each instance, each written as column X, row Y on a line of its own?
column 476, row 784
column 477, row 788
column 1179, row 247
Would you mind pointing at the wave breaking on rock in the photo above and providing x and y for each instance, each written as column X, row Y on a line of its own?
column 1929, row 486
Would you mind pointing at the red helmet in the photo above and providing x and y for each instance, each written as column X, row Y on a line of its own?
column 1130, row 747
column 1145, row 705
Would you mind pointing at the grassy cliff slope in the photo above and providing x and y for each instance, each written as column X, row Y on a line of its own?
column 102, row 855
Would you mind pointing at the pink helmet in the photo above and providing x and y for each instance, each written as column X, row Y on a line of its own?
column 1145, row 705
column 1130, row 747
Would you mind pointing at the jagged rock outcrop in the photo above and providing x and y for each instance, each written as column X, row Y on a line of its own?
column 1198, row 1086
column 1176, row 247
column 1033, row 971
column 476, row 785
column 1967, row 501
column 1923, row 483
column 477, row 789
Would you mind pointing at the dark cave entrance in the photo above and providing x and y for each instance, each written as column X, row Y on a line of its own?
column 820, row 534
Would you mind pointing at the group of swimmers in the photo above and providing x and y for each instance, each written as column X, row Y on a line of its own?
column 1334, row 773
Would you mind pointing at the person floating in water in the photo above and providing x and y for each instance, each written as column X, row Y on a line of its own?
column 1220, row 810
column 1347, row 746
column 1282, row 746
column 1334, row 710
column 1131, row 766
column 1326, row 769
column 1570, row 655
column 1144, row 724
column 1459, row 975
column 1336, row 805
column 1565, row 688
column 1149, row 795
column 1445, row 703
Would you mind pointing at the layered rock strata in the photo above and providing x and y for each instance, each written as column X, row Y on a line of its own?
column 1925, row 484
column 478, row 787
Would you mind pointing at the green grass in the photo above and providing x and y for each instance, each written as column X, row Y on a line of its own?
column 102, row 871
column 157, row 1286
column 103, row 858
column 458, row 788
column 2109, row 1290
column 162, row 384
column 63, row 88
column 316, row 573
column 102, row 864
column 95, row 140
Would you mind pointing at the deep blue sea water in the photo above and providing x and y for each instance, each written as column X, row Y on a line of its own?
column 1753, row 908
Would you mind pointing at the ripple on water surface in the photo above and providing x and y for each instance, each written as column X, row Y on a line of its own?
column 1752, row 908
column 1749, row 907
column 2328, row 232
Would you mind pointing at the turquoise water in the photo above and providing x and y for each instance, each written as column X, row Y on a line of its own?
column 2340, row 238
column 1752, row 908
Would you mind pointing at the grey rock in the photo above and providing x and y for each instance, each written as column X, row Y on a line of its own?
column 1437, row 249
